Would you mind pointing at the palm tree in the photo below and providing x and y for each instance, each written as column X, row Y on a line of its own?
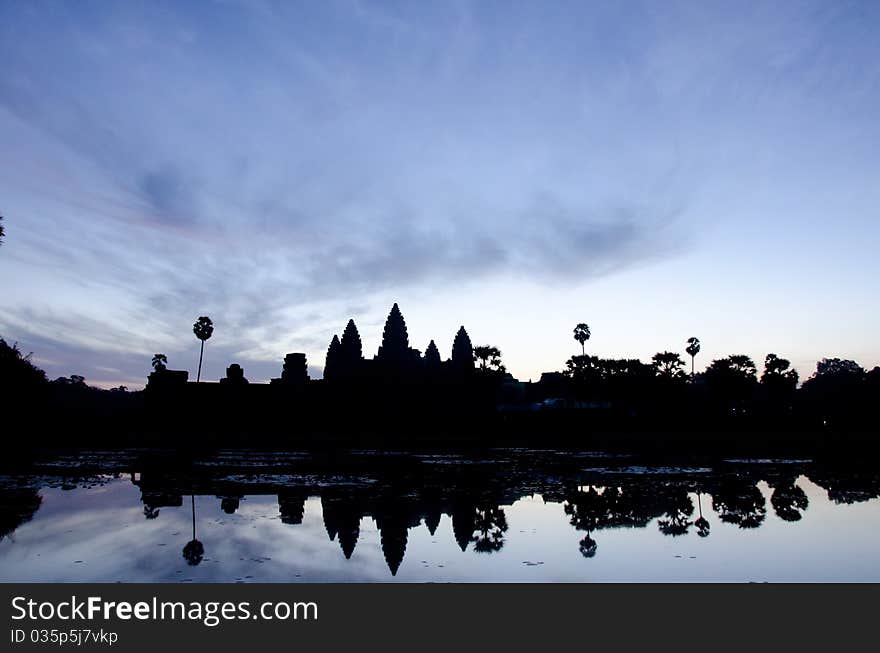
column 489, row 358
column 203, row 328
column 582, row 334
column 693, row 348
column 159, row 362
column 2, row 231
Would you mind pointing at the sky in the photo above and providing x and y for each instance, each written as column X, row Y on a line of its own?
column 656, row 170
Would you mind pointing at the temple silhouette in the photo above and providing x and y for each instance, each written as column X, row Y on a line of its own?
column 390, row 390
column 403, row 396
column 396, row 361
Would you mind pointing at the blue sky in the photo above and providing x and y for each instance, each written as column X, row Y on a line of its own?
column 657, row 170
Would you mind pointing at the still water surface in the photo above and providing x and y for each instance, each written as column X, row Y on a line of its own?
column 510, row 516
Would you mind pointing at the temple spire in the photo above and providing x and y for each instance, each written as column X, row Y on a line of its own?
column 350, row 347
column 331, row 364
column 462, row 352
column 395, row 339
column 432, row 355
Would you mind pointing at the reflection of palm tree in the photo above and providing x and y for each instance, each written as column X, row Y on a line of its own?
column 150, row 512
column 203, row 328
column 587, row 546
column 701, row 523
column 194, row 550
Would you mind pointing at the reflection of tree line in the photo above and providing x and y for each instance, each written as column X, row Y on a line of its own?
column 679, row 504
column 17, row 506
column 735, row 498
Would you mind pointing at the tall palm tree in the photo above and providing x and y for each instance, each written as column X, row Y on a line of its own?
column 203, row 328
column 693, row 348
column 582, row 334
column 2, row 231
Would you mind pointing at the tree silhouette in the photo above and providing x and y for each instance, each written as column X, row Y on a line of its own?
column 489, row 358
column 835, row 392
column 17, row 370
column 778, row 368
column 582, row 334
column 2, row 230
column 778, row 382
column 585, row 373
column 668, row 364
column 732, row 379
column 692, row 349
column 838, row 366
column 742, row 364
column 203, row 328
column 159, row 362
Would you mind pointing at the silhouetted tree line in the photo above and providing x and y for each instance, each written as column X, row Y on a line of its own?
column 65, row 411
column 469, row 398
column 839, row 395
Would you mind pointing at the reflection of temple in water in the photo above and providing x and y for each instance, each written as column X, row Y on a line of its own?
column 229, row 504
column 342, row 518
column 407, row 494
column 292, row 505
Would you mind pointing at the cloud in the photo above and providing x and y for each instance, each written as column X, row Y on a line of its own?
column 279, row 166
column 108, row 366
column 169, row 194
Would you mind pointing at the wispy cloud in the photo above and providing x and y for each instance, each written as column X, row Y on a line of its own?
column 271, row 163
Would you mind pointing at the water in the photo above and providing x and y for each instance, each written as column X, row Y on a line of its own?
column 509, row 516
